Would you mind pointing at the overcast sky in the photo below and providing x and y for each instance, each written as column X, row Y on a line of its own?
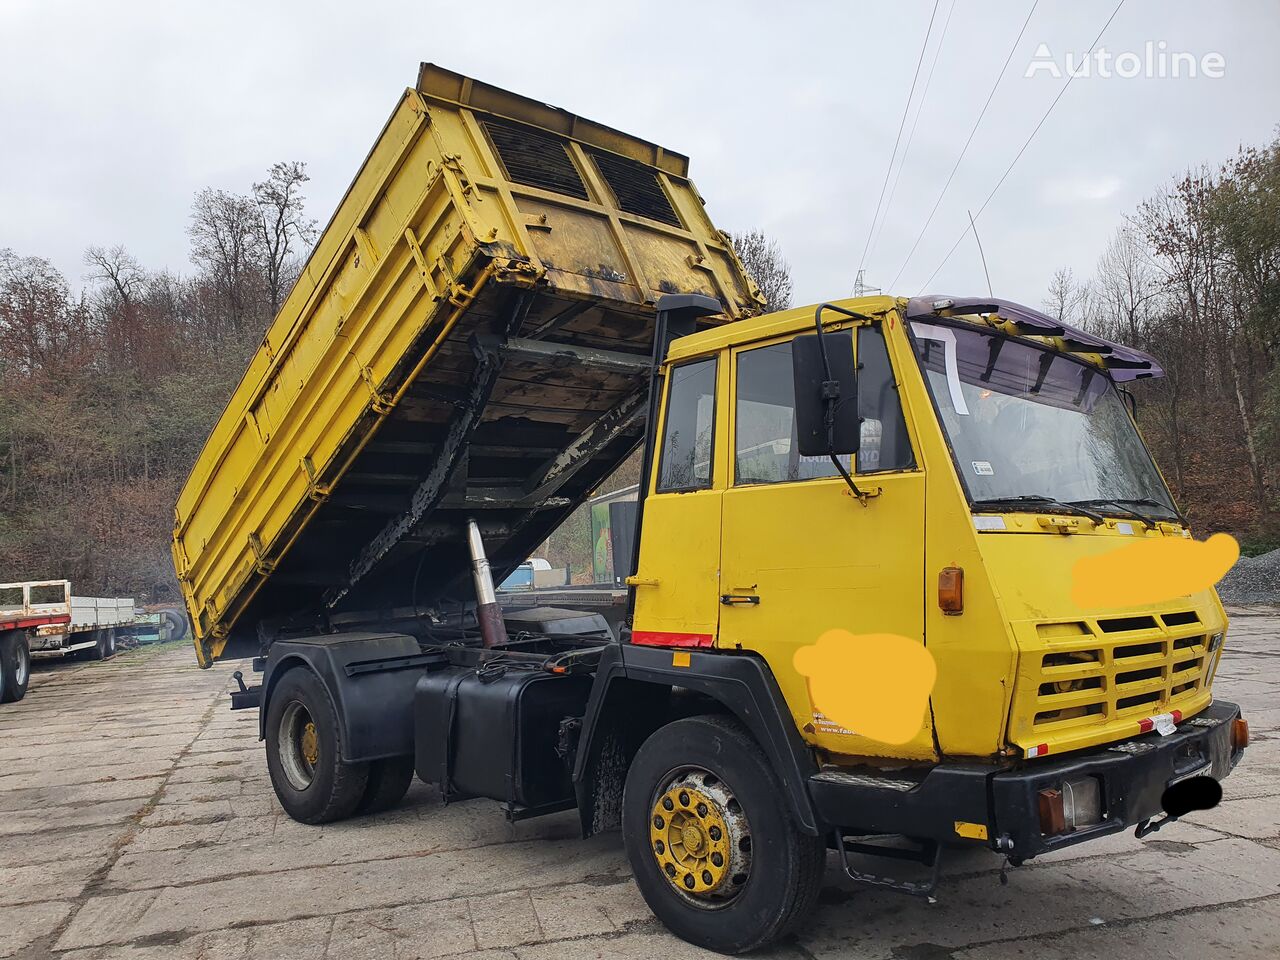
column 115, row 114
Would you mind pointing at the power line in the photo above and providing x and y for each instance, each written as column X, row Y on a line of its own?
column 1071, row 76
column 928, row 80
column 965, row 149
column 898, row 139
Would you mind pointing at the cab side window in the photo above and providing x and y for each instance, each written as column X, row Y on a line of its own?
column 884, row 444
column 684, row 461
column 765, row 448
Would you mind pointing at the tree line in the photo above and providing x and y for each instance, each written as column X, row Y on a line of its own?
column 106, row 395
column 1193, row 277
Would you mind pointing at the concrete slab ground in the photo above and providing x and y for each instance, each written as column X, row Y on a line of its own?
column 137, row 821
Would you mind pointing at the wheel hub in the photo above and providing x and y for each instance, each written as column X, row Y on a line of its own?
column 699, row 838
column 310, row 744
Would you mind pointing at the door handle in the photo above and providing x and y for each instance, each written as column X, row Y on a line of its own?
column 738, row 599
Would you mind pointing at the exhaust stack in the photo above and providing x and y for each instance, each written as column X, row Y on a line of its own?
column 488, row 614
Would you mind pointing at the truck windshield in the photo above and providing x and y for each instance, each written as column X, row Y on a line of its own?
column 1036, row 425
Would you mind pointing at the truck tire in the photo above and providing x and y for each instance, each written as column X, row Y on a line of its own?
column 715, row 851
column 304, row 752
column 99, row 649
column 15, row 666
column 389, row 781
column 111, row 642
column 174, row 624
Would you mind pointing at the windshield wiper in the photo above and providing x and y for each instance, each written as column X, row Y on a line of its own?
column 1147, row 521
column 1030, row 498
column 1170, row 513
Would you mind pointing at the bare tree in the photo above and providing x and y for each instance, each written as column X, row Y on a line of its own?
column 282, row 227
column 1067, row 298
column 765, row 264
column 224, row 242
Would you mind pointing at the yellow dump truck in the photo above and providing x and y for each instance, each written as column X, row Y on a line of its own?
column 509, row 301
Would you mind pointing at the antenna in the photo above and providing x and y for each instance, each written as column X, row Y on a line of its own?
column 974, row 227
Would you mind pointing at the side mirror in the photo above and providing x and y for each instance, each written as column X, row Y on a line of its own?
column 826, row 393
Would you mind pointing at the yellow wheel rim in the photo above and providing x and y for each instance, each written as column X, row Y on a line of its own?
column 310, row 744
column 699, row 837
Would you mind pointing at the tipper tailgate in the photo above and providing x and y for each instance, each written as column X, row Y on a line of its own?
column 468, row 338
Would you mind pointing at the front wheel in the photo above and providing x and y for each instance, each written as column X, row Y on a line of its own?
column 715, row 851
column 304, row 752
column 15, row 666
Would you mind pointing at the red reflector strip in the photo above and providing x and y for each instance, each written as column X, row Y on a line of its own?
column 662, row 638
column 1038, row 751
column 1147, row 724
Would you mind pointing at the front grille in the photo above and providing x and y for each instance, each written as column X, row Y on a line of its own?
column 636, row 188
column 1096, row 671
column 535, row 158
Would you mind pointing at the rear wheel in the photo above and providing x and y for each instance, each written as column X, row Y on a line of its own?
column 111, row 642
column 99, row 649
column 15, row 666
column 389, row 781
column 715, row 851
column 304, row 752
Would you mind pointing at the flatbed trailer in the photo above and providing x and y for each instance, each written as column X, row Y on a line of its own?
column 42, row 618
column 512, row 299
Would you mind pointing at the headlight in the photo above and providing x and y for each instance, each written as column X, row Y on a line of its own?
column 1082, row 802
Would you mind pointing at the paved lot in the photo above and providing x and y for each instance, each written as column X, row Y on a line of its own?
column 137, row 820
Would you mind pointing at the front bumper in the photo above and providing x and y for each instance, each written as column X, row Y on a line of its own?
column 956, row 803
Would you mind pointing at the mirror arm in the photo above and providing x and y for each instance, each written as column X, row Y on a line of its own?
column 831, row 396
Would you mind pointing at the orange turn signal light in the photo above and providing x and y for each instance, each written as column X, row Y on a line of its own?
column 1239, row 733
column 1053, row 818
column 951, row 590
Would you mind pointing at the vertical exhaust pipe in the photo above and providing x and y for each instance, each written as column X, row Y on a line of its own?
column 488, row 614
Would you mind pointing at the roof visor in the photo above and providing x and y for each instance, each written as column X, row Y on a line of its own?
column 1123, row 363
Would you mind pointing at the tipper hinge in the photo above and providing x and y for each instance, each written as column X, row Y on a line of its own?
column 263, row 565
column 379, row 401
column 317, row 491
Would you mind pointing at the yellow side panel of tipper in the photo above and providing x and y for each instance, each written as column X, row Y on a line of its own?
column 433, row 220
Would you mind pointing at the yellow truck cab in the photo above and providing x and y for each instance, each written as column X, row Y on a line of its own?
column 508, row 302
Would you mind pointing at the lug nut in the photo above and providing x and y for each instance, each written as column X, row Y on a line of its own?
column 689, row 881
column 658, row 822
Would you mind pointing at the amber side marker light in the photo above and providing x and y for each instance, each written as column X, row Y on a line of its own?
column 1239, row 733
column 951, row 590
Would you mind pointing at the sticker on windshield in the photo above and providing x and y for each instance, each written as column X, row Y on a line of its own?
column 983, row 468
column 947, row 337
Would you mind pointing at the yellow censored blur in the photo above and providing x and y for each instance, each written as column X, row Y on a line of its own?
column 876, row 684
column 1152, row 571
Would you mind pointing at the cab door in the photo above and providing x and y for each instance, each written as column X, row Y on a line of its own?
column 677, row 582
column 800, row 554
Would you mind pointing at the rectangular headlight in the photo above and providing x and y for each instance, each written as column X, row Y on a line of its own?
column 1082, row 802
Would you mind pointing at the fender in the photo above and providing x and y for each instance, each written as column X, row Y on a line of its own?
column 741, row 683
column 370, row 678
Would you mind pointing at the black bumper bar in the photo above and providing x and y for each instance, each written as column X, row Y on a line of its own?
column 957, row 803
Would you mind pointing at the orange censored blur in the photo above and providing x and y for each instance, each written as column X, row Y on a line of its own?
column 1152, row 571
column 875, row 684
